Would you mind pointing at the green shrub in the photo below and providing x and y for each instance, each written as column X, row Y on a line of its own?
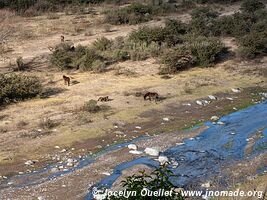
column 170, row 34
column 47, row 123
column 18, row 87
column 91, row 106
column 250, row 6
column 86, row 61
column 203, row 21
column 253, row 44
column 20, row 64
column 148, row 35
column 177, row 60
column 206, row 50
column 98, row 66
column 132, row 14
column 120, row 55
column 66, row 56
column 102, row 44
column 159, row 179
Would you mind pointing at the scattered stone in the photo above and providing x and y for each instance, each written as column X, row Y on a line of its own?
column 233, row 133
column 132, row 146
column 214, row 118
column 20, row 173
column 234, row 108
column 138, row 127
column 220, row 123
column 206, row 185
column 152, row 151
column 199, row 103
column 39, row 130
column 174, row 164
column 106, row 173
column 163, row 160
column 63, row 150
column 229, row 98
column 236, row 90
column 40, row 198
column 54, row 170
column 29, row 162
column 181, row 143
column 191, row 138
column 166, row 119
column 64, row 186
column 135, row 152
column 118, row 132
column 211, row 97
column 57, row 147
column 186, row 104
column 264, row 94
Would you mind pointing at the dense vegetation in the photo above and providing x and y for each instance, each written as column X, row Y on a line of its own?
column 18, row 87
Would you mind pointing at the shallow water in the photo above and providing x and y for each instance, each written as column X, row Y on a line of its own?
column 204, row 155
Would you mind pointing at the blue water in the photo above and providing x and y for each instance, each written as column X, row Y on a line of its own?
column 204, row 155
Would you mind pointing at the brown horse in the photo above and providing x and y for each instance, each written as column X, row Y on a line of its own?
column 66, row 80
column 62, row 38
column 151, row 95
column 104, row 99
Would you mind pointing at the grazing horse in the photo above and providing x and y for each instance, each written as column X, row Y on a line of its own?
column 103, row 99
column 62, row 38
column 151, row 95
column 66, row 80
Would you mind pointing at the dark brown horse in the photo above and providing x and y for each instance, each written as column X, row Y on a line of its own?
column 66, row 80
column 104, row 99
column 151, row 95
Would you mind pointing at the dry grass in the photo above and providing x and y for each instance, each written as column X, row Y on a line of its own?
column 31, row 40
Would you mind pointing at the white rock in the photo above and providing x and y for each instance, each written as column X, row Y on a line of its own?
column 186, row 104
column 214, row 118
column 106, row 173
column 220, row 123
column 57, row 147
column 236, row 90
column 29, row 162
column 138, row 127
column 206, row 185
column 211, row 97
column 39, row 130
column 135, row 152
column 70, row 160
column 229, row 98
column 163, row 159
column 54, row 170
column 180, row 143
column 118, row 132
column 198, row 102
column 264, row 94
column 233, row 133
column 63, row 150
column 152, row 151
column 175, row 164
column 166, row 119
column 132, row 146
column 40, row 198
